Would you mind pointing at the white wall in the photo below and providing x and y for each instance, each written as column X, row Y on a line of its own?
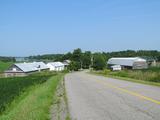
column 59, row 68
column 51, row 67
column 55, row 68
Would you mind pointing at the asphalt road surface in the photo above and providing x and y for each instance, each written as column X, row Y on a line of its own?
column 92, row 97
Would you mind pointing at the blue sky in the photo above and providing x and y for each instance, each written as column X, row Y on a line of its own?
column 30, row 27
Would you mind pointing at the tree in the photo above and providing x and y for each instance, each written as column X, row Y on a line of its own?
column 67, row 56
column 74, row 66
column 77, row 58
column 86, row 59
column 7, row 59
column 76, row 55
column 99, row 62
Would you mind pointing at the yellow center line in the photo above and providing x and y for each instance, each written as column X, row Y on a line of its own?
column 130, row 92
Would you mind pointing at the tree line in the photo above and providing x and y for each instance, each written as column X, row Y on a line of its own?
column 7, row 59
column 87, row 59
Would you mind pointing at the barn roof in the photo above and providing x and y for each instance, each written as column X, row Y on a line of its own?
column 128, row 61
column 56, row 64
column 66, row 62
column 28, row 67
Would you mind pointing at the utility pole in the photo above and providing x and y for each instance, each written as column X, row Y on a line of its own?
column 91, row 62
column 81, row 64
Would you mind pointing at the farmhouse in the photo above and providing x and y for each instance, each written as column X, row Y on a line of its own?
column 129, row 62
column 56, row 66
column 22, row 69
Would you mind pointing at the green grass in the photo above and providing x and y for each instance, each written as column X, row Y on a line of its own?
column 149, row 76
column 10, row 88
column 34, row 103
column 66, row 101
column 68, row 118
column 5, row 65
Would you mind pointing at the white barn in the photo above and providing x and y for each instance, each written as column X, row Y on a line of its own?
column 129, row 62
column 22, row 69
column 56, row 66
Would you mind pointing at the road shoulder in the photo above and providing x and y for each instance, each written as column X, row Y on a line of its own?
column 126, row 79
column 59, row 109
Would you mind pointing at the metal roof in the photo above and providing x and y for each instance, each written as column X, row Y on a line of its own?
column 67, row 61
column 28, row 67
column 128, row 61
column 56, row 64
column 41, row 64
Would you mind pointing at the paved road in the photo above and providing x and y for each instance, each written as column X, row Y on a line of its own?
column 98, row 98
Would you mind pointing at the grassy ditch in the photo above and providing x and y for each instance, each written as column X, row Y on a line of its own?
column 149, row 76
column 35, row 102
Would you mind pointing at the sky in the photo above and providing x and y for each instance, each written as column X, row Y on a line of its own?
column 32, row 27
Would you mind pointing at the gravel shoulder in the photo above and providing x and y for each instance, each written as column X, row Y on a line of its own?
column 59, row 109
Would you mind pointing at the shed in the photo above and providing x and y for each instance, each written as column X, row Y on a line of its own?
column 56, row 66
column 116, row 68
column 129, row 62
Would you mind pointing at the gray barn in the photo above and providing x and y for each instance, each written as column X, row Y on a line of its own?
column 129, row 62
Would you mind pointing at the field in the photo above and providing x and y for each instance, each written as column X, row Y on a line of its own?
column 28, row 98
column 13, row 87
column 35, row 102
column 147, row 75
column 4, row 65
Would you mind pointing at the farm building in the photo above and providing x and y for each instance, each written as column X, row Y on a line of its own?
column 66, row 63
column 22, row 69
column 116, row 68
column 129, row 62
column 56, row 66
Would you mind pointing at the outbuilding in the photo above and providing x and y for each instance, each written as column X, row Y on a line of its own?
column 66, row 62
column 116, row 68
column 56, row 66
column 129, row 62
column 23, row 69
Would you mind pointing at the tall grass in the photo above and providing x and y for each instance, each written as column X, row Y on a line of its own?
column 152, row 74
